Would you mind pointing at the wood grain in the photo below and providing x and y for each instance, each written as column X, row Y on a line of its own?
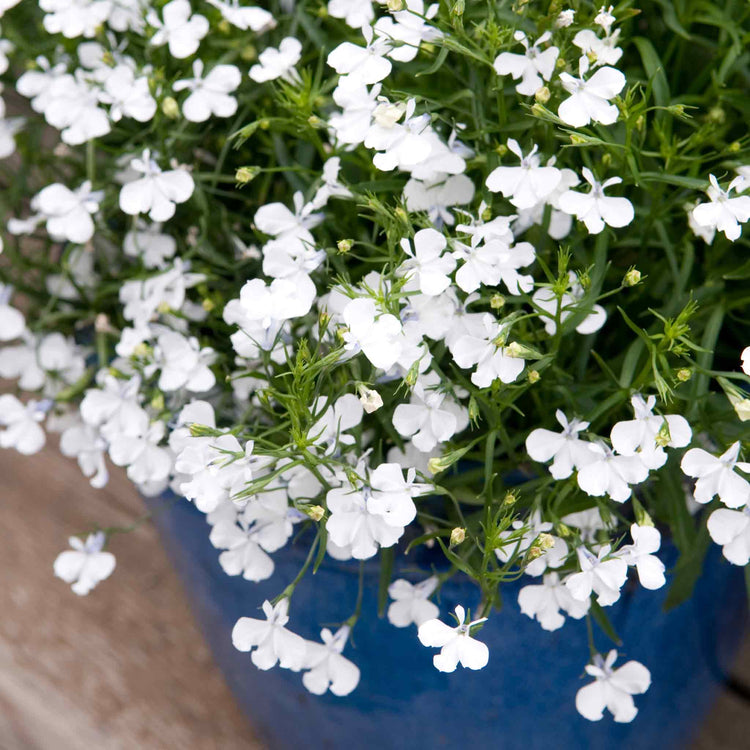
column 126, row 667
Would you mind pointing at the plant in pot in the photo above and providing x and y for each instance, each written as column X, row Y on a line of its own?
column 420, row 328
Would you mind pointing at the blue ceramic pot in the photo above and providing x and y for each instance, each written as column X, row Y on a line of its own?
column 524, row 698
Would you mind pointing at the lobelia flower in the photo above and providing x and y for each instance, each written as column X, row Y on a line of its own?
column 209, row 95
column 391, row 494
column 113, row 406
column 262, row 526
column 9, row 127
column 456, row 644
column 355, row 13
column 545, row 602
column 157, row 192
column 594, row 208
column 278, row 63
column 84, row 443
column 431, row 417
column 183, row 363
column 427, row 268
column 138, row 449
column 127, row 95
column 567, row 305
column 74, row 18
column 406, row 29
column 326, row 668
column 247, row 17
column 493, row 360
column 647, row 434
column 269, row 640
column 527, row 184
column 589, row 99
column 379, row 337
column 365, row 65
column 437, row 196
column 21, row 422
column 400, row 145
column 7, row 5
column 531, row 67
column 411, row 602
column 86, row 564
column 588, row 522
column 180, row 29
column 646, row 541
column 602, row 50
column 331, row 187
column 731, row 530
column 552, row 557
column 566, row 450
column 724, row 213
column 604, row 577
column 612, row 689
column 745, row 357
column 150, row 244
column 67, row 212
column 610, row 474
column 718, row 476
column 357, row 103
column 335, row 420
column 127, row 15
column 12, row 321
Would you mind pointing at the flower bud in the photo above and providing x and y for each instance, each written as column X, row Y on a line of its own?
column 497, row 301
column 684, row 374
column 533, row 376
column 101, row 323
column 246, row 174
column 344, row 246
column 458, row 8
column 370, row 399
column 545, row 541
column 315, row 122
column 316, row 512
column 208, row 304
column 501, row 150
column 473, row 409
column 563, row 530
column 395, row 5
column 457, row 536
column 248, row 53
column 632, row 277
column 157, row 402
column 510, row 499
column 542, row 95
column 735, row 146
column 170, row 108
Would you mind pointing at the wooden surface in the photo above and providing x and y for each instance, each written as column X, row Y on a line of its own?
column 126, row 667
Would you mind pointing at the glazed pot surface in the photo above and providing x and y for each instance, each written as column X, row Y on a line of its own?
column 524, row 698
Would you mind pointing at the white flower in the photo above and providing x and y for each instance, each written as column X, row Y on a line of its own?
column 12, row 322
column 157, row 192
column 331, row 187
column 370, row 399
column 67, row 212
column 85, row 565
column 354, row 528
column 368, row 64
column 183, row 363
column 180, row 29
column 401, row 145
column 604, row 577
column 7, row 5
column 427, row 268
column 278, row 63
column 588, row 522
column 604, row 50
column 552, row 557
column 566, row 448
column 731, row 529
column 531, row 67
column 648, row 433
column 379, row 337
column 407, row 29
column 21, row 422
column 411, row 602
column 84, row 443
column 9, row 126
column 335, row 420
column 244, row 17
column 527, row 184
column 610, row 474
column 493, row 262
column 493, row 360
column 114, row 405
column 646, row 541
column 127, row 95
column 745, row 356
column 357, row 104
column 594, row 208
column 456, row 644
column 565, row 19
column 269, row 640
column 391, row 494
column 567, row 305
column 723, row 212
column 73, row 108
column 74, row 18
column 605, row 18
column 139, row 450
column 589, row 99
column 437, row 196
column 545, row 602
column 150, row 244
column 431, row 417
column 327, row 668
column 718, row 476
column 210, row 95
column 613, row 689
column 356, row 13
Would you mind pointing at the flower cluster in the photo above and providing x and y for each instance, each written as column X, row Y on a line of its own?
column 337, row 271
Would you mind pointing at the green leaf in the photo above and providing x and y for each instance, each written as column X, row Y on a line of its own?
column 688, row 570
